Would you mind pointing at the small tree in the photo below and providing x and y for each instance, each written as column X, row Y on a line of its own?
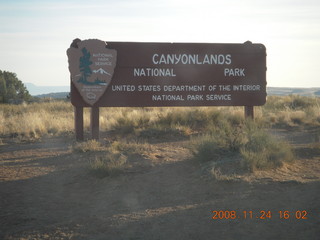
column 3, row 89
column 85, row 66
column 12, row 89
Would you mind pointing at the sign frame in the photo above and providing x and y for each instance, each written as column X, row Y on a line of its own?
column 168, row 74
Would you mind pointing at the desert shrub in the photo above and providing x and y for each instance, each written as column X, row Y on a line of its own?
column 291, row 118
column 110, row 164
column 184, row 117
column 229, row 130
column 207, row 148
column 257, row 148
column 263, row 151
column 129, row 148
column 300, row 102
column 218, row 174
column 223, row 141
column 56, row 117
column 127, row 122
column 158, row 122
column 87, row 146
column 110, row 159
column 125, row 125
column 275, row 103
column 191, row 118
column 298, row 117
column 292, row 102
column 290, row 111
column 160, row 132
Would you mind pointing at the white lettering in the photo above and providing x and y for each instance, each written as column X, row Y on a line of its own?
column 102, row 55
column 234, row 72
column 153, row 72
column 206, row 59
column 154, row 59
column 195, row 97
column 225, row 87
column 246, row 87
column 123, row 88
column 228, row 59
column 212, row 87
column 177, row 58
column 184, row 88
column 167, row 98
column 217, row 59
column 149, row 88
column 216, row 97
column 162, row 60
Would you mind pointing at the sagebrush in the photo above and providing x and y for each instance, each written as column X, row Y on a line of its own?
column 37, row 119
column 257, row 149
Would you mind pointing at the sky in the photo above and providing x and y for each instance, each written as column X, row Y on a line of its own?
column 35, row 34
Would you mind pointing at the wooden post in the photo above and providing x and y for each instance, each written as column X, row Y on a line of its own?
column 94, row 123
column 78, row 123
column 248, row 112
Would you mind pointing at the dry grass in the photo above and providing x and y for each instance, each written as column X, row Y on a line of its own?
column 88, row 146
column 227, row 133
column 37, row 119
column 257, row 149
column 131, row 148
column 263, row 151
column 110, row 159
column 292, row 111
column 111, row 164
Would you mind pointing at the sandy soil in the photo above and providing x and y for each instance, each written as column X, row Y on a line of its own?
column 48, row 193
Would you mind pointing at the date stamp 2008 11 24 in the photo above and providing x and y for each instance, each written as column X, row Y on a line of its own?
column 263, row 214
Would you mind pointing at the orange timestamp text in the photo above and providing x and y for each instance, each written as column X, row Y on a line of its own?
column 263, row 214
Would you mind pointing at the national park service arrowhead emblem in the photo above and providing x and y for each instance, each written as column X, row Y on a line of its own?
column 91, row 66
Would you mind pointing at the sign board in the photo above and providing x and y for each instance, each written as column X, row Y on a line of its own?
column 137, row 74
column 91, row 65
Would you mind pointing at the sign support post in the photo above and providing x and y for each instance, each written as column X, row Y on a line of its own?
column 94, row 123
column 133, row 74
column 78, row 122
column 248, row 112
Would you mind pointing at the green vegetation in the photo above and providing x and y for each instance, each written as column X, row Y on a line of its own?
column 111, row 164
column 247, row 144
column 12, row 90
column 37, row 119
column 292, row 111
column 88, row 146
column 215, row 134
column 263, row 151
column 110, row 159
column 103, row 160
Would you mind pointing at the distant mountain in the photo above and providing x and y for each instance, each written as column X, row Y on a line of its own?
column 58, row 95
column 282, row 91
column 101, row 71
column 35, row 90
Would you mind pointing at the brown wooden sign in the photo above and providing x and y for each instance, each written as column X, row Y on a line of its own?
column 132, row 74
column 91, row 66
column 167, row 74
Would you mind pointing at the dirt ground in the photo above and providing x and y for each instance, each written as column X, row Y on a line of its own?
column 47, row 192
